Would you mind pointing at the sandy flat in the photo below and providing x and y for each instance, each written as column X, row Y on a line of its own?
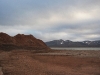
column 75, row 53
column 25, row 62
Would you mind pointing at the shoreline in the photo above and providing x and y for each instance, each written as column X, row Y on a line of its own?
column 75, row 48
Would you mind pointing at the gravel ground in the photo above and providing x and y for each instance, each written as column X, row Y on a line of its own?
column 24, row 62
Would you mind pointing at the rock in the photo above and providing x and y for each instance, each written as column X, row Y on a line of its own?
column 1, row 73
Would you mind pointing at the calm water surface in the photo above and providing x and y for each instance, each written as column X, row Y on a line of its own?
column 75, row 48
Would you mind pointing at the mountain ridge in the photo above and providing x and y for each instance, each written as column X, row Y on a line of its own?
column 68, row 43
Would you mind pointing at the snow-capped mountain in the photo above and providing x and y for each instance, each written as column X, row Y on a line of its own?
column 68, row 43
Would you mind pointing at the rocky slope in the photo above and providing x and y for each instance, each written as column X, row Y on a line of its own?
column 68, row 43
column 20, row 41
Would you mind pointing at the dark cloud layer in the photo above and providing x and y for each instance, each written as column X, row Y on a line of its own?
column 51, row 19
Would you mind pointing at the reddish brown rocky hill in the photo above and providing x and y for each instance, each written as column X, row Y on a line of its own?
column 5, row 38
column 20, row 41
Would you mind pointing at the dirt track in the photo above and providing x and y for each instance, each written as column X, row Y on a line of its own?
column 30, row 63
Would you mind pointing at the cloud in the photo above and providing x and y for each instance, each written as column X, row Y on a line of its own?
column 53, row 19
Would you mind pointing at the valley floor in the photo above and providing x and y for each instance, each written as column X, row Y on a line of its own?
column 55, row 62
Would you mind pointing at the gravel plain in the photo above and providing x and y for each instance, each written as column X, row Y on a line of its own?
column 54, row 62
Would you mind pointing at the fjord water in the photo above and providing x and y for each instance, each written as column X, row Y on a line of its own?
column 76, row 48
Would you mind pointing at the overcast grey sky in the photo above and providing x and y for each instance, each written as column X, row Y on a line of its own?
column 75, row 20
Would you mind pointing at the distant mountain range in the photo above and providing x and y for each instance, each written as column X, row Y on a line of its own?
column 68, row 43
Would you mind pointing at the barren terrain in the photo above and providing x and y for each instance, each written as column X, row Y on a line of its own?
column 26, row 62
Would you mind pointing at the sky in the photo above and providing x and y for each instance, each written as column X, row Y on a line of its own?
column 75, row 20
